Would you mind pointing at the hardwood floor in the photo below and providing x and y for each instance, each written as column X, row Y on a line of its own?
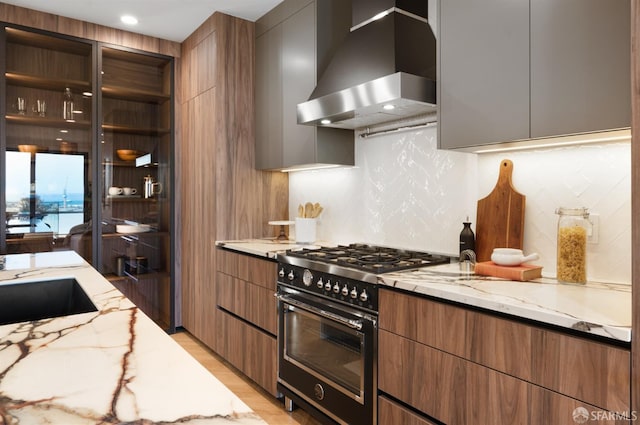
column 265, row 405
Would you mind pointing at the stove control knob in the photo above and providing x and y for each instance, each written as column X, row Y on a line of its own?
column 320, row 284
column 327, row 286
column 307, row 277
column 281, row 272
column 336, row 288
column 291, row 275
column 345, row 290
column 354, row 293
column 364, row 296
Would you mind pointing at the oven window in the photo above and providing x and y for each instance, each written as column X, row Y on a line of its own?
column 326, row 348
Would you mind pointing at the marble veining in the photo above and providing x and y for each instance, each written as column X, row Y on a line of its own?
column 596, row 308
column 112, row 366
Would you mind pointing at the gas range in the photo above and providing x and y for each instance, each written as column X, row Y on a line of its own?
column 327, row 326
column 348, row 273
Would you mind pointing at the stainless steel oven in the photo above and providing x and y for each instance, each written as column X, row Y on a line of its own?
column 327, row 355
column 327, row 327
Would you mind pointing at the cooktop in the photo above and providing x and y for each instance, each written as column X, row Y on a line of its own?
column 369, row 258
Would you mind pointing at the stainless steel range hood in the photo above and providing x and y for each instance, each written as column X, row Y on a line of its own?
column 385, row 71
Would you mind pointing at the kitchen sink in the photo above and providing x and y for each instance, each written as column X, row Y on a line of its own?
column 36, row 300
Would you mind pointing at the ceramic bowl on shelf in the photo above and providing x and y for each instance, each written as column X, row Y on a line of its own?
column 128, row 154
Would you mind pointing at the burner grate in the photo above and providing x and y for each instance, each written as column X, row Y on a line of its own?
column 371, row 258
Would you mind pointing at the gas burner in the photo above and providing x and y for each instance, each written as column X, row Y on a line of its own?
column 370, row 258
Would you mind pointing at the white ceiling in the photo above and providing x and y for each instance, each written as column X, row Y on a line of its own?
column 169, row 19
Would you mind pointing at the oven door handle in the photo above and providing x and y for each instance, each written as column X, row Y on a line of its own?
column 354, row 324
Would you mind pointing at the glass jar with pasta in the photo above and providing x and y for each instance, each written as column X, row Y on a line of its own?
column 573, row 227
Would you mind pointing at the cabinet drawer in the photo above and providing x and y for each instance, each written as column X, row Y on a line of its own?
column 549, row 407
column 253, row 303
column 391, row 413
column 427, row 379
column 501, row 344
column 448, row 388
column 252, row 352
column 596, row 373
column 255, row 270
column 432, row 323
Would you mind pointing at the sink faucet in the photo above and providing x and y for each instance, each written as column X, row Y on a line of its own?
column 467, row 260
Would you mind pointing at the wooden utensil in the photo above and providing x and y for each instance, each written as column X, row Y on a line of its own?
column 308, row 210
column 500, row 216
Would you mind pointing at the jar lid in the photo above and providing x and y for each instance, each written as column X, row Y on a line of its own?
column 580, row 211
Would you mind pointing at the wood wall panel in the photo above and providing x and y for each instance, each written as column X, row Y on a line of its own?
column 222, row 195
column 46, row 21
column 197, row 225
column 635, row 201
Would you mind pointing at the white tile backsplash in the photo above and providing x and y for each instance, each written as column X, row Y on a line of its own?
column 405, row 192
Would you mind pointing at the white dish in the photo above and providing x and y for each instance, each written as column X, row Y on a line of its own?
column 132, row 228
column 511, row 257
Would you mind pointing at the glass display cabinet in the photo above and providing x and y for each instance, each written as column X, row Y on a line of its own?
column 135, row 142
column 87, row 146
column 47, row 154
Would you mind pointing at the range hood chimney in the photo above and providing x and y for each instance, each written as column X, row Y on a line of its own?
column 384, row 71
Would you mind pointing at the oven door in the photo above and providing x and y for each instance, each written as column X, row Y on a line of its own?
column 327, row 355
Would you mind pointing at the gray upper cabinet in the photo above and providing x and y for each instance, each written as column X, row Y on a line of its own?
column 483, row 80
column 291, row 47
column 268, row 147
column 524, row 69
column 580, row 62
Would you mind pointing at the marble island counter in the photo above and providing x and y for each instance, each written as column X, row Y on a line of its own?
column 595, row 308
column 110, row 366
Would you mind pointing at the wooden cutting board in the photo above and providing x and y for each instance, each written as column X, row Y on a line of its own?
column 500, row 216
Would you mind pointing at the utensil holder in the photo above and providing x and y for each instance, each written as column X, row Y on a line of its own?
column 305, row 230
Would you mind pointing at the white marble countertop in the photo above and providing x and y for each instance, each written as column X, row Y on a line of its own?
column 264, row 247
column 110, row 366
column 595, row 308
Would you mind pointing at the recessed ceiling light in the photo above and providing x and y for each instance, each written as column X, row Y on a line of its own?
column 128, row 19
column 325, row 122
column 388, row 107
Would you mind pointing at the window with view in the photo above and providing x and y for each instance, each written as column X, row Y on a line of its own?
column 44, row 192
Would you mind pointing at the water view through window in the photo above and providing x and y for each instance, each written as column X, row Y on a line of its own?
column 57, row 201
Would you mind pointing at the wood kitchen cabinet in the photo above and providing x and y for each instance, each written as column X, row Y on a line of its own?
column 489, row 369
column 531, row 69
column 247, row 316
column 293, row 44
